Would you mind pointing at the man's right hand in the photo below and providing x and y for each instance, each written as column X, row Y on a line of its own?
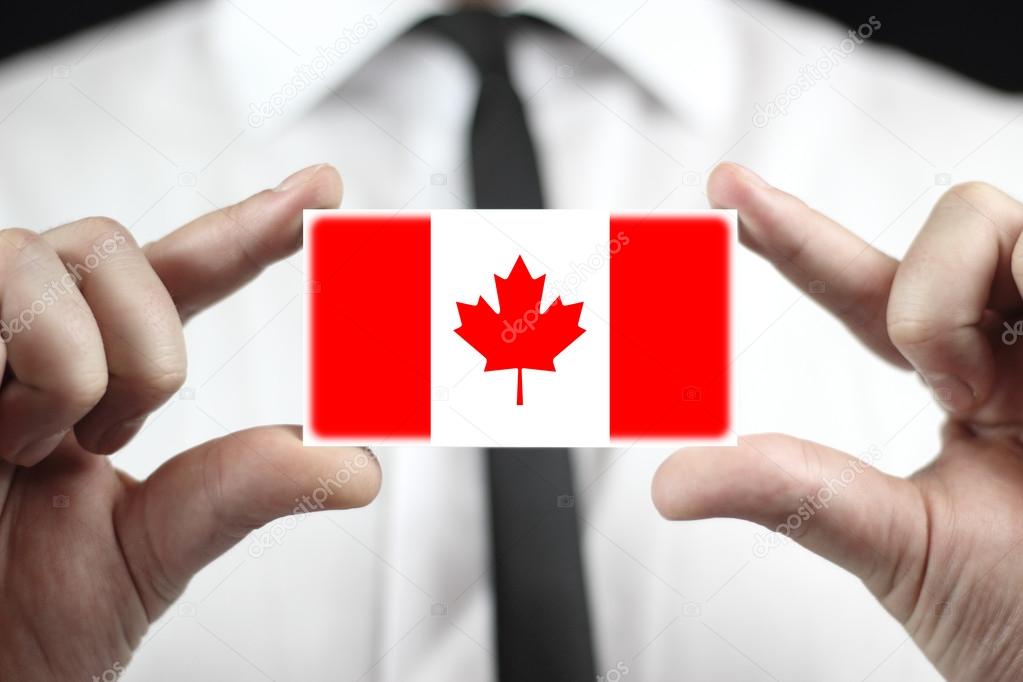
column 93, row 343
column 940, row 550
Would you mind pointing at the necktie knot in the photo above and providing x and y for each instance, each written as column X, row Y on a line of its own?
column 504, row 165
column 481, row 34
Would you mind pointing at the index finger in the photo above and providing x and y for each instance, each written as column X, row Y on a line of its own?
column 215, row 254
column 845, row 274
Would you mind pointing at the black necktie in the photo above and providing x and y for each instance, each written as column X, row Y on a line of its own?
column 543, row 627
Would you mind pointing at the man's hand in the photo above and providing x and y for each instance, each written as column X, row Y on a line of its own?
column 91, row 325
column 942, row 550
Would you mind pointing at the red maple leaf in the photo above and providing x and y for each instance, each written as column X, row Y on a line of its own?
column 519, row 336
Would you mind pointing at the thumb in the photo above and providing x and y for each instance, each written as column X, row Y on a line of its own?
column 832, row 503
column 202, row 502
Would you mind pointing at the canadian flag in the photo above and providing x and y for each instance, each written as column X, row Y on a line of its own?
column 517, row 327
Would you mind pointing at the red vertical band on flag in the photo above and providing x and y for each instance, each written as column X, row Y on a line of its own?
column 369, row 326
column 669, row 326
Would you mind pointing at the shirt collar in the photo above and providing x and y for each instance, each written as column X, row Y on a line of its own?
column 278, row 57
column 682, row 52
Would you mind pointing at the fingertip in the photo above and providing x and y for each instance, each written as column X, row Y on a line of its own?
column 662, row 490
column 372, row 481
column 345, row 477
column 359, row 472
column 714, row 481
column 327, row 188
column 670, row 489
column 731, row 185
column 317, row 186
column 721, row 186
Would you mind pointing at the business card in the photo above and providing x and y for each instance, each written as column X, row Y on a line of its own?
column 518, row 328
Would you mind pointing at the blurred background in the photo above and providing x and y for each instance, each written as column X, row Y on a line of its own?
column 979, row 39
column 874, row 148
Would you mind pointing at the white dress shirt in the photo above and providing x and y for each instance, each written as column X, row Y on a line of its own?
column 165, row 115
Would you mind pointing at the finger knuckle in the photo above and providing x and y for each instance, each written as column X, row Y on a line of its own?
column 16, row 239
column 861, row 309
column 81, row 390
column 104, row 231
column 907, row 332
column 241, row 247
column 219, row 492
column 973, row 193
column 165, row 377
column 813, row 465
